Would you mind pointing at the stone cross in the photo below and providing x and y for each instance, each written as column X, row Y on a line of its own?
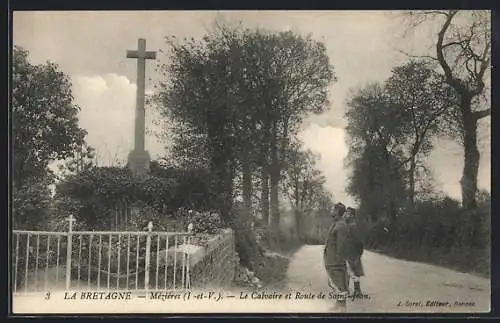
column 139, row 157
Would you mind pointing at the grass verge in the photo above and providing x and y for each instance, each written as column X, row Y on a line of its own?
column 272, row 265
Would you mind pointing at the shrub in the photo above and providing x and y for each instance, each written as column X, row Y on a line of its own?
column 205, row 222
column 438, row 232
column 93, row 196
column 31, row 205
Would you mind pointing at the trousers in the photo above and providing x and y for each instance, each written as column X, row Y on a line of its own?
column 338, row 277
column 355, row 267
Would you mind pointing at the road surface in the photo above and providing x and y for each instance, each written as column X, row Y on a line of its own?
column 387, row 282
column 390, row 282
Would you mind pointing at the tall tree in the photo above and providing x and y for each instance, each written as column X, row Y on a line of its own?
column 421, row 99
column 200, row 90
column 297, row 74
column 376, row 152
column 44, row 117
column 44, row 127
column 463, row 52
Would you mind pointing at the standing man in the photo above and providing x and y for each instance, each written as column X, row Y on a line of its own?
column 354, row 250
column 335, row 257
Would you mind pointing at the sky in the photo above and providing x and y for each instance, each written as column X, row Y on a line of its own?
column 91, row 48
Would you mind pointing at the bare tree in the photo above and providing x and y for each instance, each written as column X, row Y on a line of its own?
column 463, row 53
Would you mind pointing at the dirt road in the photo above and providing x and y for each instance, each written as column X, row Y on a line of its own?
column 394, row 286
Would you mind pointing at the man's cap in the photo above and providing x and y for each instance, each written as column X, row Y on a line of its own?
column 339, row 206
column 350, row 213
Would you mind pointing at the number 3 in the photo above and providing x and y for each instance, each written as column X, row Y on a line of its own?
column 47, row 296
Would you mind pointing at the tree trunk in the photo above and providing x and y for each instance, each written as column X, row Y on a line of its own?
column 227, row 188
column 471, row 155
column 265, row 196
column 247, row 190
column 390, row 189
column 264, row 164
column 411, row 190
column 297, row 209
column 392, row 211
column 275, row 175
column 216, row 176
column 221, row 171
column 298, row 223
column 371, row 185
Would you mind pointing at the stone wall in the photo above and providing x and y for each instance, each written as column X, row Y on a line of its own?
column 214, row 265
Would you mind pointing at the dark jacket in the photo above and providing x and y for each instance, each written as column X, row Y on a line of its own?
column 355, row 245
column 334, row 253
column 355, row 249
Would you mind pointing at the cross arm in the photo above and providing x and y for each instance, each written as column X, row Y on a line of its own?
column 150, row 55
column 135, row 54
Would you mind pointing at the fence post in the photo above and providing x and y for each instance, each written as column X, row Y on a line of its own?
column 148, row 255
column 69, row 246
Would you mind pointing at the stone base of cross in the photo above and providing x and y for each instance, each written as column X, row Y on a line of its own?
column 138, row 162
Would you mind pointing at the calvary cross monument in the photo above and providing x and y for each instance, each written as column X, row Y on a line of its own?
column 138, row 159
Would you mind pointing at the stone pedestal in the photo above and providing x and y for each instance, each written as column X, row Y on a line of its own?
column 138, row 162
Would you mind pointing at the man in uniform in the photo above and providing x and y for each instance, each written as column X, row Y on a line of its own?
column 354, row 250
column 335, row 257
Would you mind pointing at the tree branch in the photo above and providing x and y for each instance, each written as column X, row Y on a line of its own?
column 457, row 43
column 481, row 114
column 485, row 61
column 471, row 72
column 440, row 53
column 416, row 56
column 435, row 12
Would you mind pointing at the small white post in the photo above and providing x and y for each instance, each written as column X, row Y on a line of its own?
column 69, row 246
column 148, row 255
